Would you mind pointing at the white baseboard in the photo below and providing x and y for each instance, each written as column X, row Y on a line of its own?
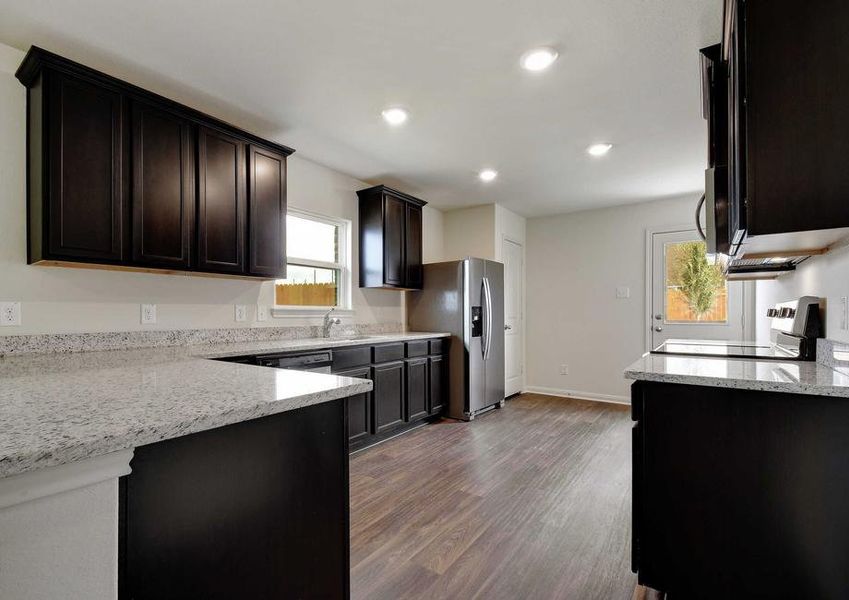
column 609, row 398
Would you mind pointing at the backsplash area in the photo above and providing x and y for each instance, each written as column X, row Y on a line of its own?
column 84, row 342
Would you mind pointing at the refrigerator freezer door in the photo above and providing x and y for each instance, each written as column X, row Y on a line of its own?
column 494, row 366
column 475, row 372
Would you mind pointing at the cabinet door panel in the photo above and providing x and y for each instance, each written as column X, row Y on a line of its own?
column 359, row 407
column 267, row 213
column 85, row 180
column 388, row 395
column 438, row 387
column 413, row 258
column 416, row 383
column 163, row 188
column 394, row 223
column 221, row 202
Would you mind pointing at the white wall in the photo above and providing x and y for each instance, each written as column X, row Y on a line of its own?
column 432, row 235
column 77, row 300
column 574, row 264
column 826, row 276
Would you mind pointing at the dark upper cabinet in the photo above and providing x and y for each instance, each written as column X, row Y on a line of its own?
column 787, row 114
column 121, row 176
column 413, row 247
column 81, row 196
column 388, row 394
column 163, row 187
column 222, row 202
column 390, row 239
column 416, row 388
column 267, row 212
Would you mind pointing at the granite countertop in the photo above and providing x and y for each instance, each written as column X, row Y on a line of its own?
column 61, row 408
column 798, row 377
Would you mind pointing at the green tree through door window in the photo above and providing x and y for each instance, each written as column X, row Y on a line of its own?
column 696, row 289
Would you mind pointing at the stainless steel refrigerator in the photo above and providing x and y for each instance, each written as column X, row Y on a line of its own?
column 466, row 298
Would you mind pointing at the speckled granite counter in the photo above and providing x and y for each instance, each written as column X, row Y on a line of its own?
column 60, row 408
column 800, row 377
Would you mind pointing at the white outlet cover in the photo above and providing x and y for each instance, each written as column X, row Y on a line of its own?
column 241, row 313
column 623, row 292
column 261, row 312
column 10, row 314
column 148, row 314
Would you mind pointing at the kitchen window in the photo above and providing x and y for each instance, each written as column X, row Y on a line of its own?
column 318, row 268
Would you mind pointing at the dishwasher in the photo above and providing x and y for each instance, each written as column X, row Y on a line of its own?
column 318, row 362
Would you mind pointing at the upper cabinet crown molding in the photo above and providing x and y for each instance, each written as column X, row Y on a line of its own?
column 37, row 59
column 122, row 177
column 390, row 239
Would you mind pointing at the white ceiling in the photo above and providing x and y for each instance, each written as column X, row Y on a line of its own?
column 315, row 75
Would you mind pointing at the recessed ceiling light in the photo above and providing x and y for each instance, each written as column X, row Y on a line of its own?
column 599, row 149
column 538, row 59
column 487, row 174
column 395, row 115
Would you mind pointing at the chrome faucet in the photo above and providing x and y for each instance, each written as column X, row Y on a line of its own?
column 328, row 323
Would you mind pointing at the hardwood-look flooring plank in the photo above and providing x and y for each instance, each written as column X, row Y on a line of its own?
column 531, row 501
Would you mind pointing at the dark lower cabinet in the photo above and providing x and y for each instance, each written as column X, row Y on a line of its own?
column 221, row 202
column 740, row 493
column 388, row 395
column 359, row 408
column 85, row 195
column 416, row 388
column 258, row 510
column 163, row 188
column 437, row 389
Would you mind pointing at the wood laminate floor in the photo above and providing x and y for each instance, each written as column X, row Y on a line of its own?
column 532, row 501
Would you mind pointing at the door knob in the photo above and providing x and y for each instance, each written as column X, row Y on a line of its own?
column 658, row 328
column 658, row 317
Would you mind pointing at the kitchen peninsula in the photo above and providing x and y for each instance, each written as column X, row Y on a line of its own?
column 148, row 468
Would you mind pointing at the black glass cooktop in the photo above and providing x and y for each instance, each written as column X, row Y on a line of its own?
column 727, row 349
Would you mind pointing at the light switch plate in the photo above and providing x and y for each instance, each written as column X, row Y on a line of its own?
column 564, row 369
column 241, row 313
column 148, row 314
column 623, row 292
column 261, row 312
column 10, row 314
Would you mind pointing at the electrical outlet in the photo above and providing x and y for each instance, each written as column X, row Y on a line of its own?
column 148, row 314
column 623, row 292
column 10, row 314
column 261, row 312
column 564, row 369
column 241, row 313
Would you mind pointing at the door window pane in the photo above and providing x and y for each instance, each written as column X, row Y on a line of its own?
column 308, row 286
column 696, row 290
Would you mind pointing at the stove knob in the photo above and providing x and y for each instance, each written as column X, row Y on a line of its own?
column 785, row 312
column 771, row 312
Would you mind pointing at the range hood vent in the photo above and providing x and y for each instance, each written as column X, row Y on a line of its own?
column 768, row 265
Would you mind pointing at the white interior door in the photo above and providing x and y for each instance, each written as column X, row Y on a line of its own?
column 678, row 309
column 514, row 328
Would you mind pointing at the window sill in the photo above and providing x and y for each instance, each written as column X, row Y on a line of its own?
column 305, row 312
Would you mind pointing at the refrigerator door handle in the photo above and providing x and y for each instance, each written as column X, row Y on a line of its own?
column 484, row 318
column 488, row 320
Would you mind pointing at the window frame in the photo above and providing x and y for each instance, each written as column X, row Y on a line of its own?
column 343, row 265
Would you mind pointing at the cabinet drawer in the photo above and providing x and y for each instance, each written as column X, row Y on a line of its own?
column 438, row 346
column 388, row 352
column 345, row 358
column 418, row 348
